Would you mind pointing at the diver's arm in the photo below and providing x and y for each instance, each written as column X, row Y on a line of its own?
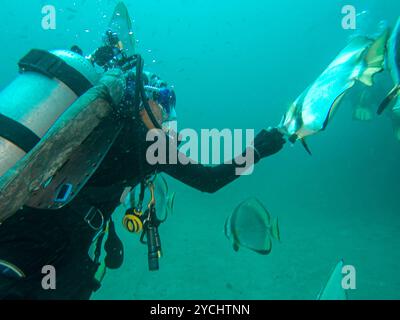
column 212, row 179
column 203, row 178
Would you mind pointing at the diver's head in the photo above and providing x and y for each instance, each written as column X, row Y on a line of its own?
column 160, row 112
column 162, row 102
column 111, row 39
column 152, row 100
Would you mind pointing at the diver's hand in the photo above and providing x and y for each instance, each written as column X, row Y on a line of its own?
column 268, row 142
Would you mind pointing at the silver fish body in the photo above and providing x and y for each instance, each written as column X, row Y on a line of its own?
column 251, row 226
column 359, row 61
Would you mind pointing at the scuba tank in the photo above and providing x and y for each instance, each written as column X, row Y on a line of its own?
column 49, row 82
column 57, row 120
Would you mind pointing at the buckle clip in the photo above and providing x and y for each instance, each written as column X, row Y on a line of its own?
column 91, row 216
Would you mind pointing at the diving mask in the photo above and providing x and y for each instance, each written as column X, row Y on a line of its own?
column 162, row 102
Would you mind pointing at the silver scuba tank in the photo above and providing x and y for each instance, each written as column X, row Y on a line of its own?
column 49, row 82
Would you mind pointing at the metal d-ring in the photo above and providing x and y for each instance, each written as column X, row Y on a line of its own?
column 90, row 217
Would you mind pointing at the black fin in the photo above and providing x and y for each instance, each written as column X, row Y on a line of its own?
column 333, row 108
column 388, row 100
column 263, row 252
column 305, row 145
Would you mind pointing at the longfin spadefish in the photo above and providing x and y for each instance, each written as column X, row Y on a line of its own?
column 375, row 58
column 390, row 98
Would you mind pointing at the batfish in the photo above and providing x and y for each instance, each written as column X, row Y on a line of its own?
column 252, row 227
column 314, row 108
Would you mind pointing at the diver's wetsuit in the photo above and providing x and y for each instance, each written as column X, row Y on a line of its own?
column 33, row 238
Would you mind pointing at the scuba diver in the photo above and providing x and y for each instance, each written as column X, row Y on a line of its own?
column 70, row 144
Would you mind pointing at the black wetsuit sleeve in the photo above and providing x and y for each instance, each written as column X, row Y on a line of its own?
column 203, row 178
column 211, row 179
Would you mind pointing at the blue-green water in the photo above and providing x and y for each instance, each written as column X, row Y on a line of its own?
column 239, row 64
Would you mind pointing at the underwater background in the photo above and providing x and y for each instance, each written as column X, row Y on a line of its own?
column 239, row 64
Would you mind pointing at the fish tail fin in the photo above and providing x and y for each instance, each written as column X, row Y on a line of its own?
column 375, row 58
column 305, row 145
column 393, row 96
column 275, row 229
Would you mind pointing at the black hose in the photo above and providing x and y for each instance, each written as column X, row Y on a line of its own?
column 140, row 87
column 137, row 81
